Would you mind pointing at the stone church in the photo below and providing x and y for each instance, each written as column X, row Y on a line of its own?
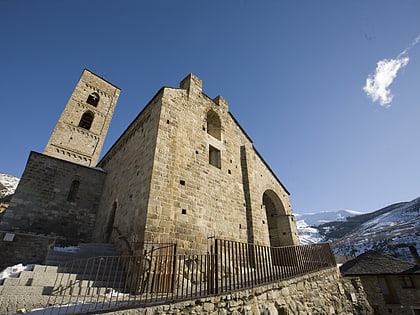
column 184, row 171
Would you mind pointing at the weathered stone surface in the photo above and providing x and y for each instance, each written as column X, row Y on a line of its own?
column 27, row 248
column 321, row 301
column 184, row 171
column 42, row 207
column 165, row 186
column 72, row 142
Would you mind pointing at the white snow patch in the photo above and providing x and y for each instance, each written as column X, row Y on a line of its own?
column 14, row 271
column 68, row 249
column 9, row 182
column 307, row 234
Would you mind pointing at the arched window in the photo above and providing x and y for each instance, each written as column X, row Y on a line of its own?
column 93, row 99
column 74, row 188
column 214, row 127
column 86, row 120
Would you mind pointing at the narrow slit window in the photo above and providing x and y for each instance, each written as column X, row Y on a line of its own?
column 74, row 189
column 93, row 99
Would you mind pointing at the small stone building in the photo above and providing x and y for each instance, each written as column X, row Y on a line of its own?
column 392, row 285
column 183, row 171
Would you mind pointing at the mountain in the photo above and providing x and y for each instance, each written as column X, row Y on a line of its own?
column 309, row 224
column 8, row 184
column 390, row 230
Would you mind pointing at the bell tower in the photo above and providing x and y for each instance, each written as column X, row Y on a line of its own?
column 80, row 132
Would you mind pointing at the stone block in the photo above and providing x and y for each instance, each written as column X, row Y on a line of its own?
column 10, row 282
column 23, row 290
column 44, row 279
column 40, row 268
column 208, row 307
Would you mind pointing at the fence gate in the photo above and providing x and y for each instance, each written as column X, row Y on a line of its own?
column 152, row 271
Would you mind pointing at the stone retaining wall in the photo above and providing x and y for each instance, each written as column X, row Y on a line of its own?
column 23, row 248
column 323, row 292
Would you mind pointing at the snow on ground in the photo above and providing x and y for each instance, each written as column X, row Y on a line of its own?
column 63, row 309
column 68, row 249
column 14, row 271
column 104, row 303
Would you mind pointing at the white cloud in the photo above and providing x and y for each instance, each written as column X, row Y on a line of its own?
column 377, row 85
column 413, row 43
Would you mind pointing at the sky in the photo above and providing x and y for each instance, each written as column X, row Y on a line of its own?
column 329, row 91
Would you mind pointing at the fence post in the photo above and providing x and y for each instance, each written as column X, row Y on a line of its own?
column 211, row 274
column 174, row 271
column 216, row 269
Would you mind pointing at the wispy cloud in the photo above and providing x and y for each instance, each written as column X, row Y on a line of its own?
column 378, row 84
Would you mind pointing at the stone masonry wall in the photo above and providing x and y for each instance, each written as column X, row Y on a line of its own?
column 40, row 202
column 70, row 142
column 323, row 292
column 192, row 200
column 162, row 188
column 23, row 249
column 129, row 165
column 403, row 297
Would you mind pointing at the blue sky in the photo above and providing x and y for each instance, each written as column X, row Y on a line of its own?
column 294, row 73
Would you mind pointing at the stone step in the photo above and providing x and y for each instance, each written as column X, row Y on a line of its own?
column 81, row 291
column 90, row 271
column 82, row 251
column 25, row 290
column 10, row 282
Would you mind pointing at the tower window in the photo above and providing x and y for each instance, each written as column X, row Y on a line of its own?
column 214, row 157
column 74, row 188
column 86, row 120
column 214, row 127
column 93, row 99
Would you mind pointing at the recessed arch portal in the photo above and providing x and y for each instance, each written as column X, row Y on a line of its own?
column 279, row 230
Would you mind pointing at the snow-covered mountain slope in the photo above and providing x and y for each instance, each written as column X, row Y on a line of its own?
column 8, row 184
column 307, row 233
column 390, row 230
column 307, row 223
column 315, row 219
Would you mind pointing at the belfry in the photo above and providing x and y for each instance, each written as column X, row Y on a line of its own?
column 80, row 132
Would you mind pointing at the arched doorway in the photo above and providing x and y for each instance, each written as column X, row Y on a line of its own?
column 110, row 223
column 279, row 229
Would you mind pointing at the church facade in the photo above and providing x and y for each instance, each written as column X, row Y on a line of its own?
column 183, row 172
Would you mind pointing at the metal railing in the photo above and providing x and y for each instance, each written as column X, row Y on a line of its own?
column 137, row 281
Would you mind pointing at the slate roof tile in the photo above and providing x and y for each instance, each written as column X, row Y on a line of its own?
column 375, row 263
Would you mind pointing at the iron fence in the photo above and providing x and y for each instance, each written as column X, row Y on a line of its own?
column 137, row 281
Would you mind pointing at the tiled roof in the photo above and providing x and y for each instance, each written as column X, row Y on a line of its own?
column 375, row 263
